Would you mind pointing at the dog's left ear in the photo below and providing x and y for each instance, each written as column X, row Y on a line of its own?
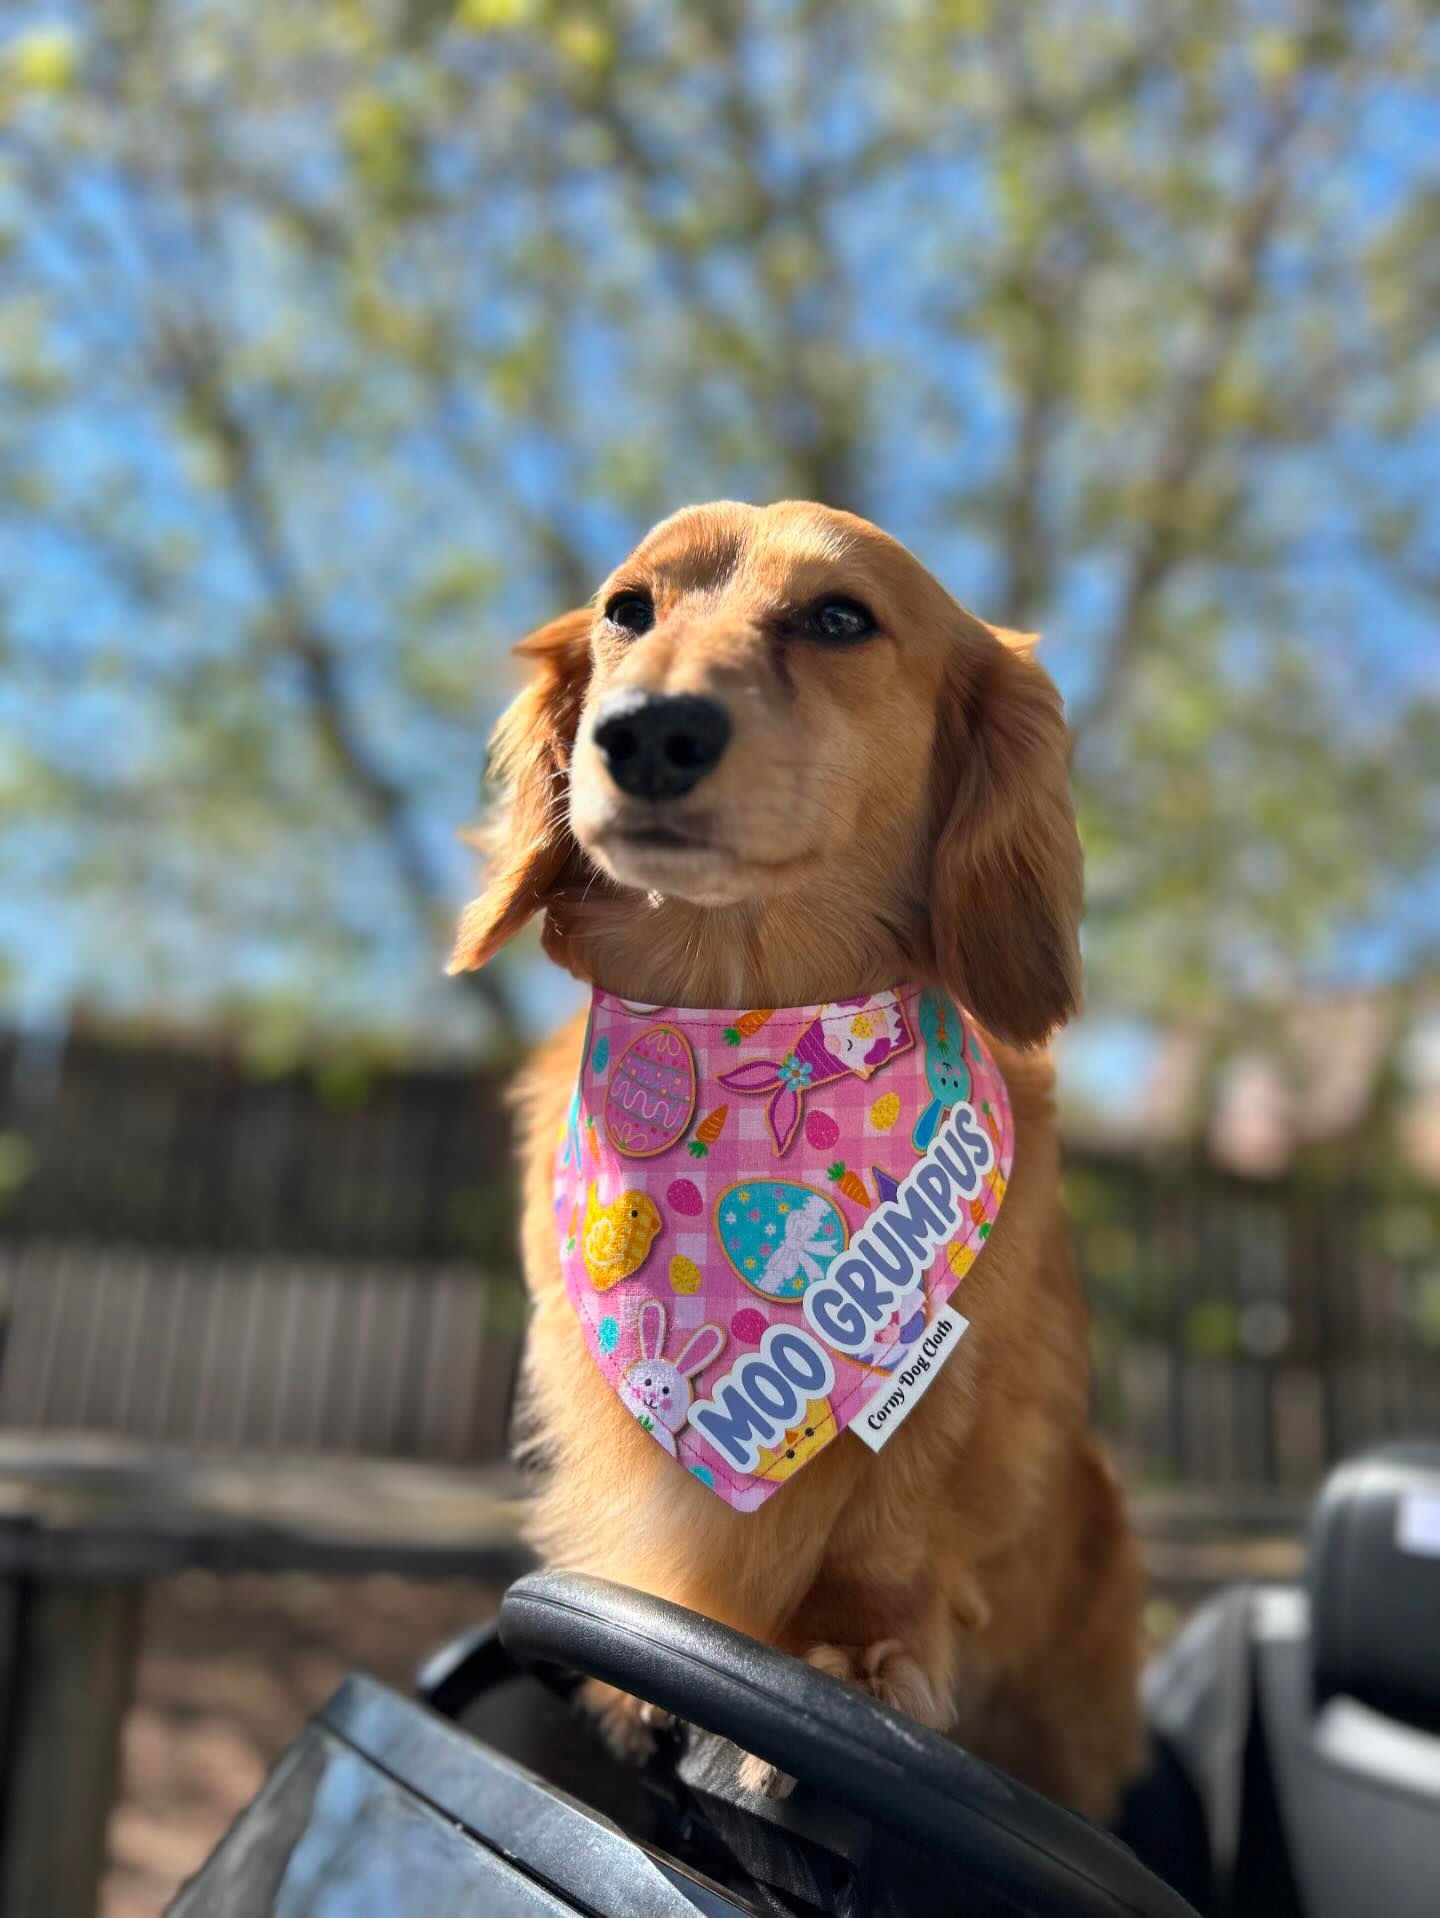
column 529, row 842
column 1006, row 879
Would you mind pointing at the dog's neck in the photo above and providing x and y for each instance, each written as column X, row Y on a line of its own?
column 799, row 950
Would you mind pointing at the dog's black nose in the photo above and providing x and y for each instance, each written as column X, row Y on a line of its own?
column 659, row 745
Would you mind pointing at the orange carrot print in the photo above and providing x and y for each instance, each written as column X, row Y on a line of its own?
column 848, row 1183
column 707, row 1132
column 746, row 1026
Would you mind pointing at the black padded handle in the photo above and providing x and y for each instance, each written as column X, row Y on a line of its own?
column 843, row 1744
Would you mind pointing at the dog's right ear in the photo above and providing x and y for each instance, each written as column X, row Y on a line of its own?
column 529, row 843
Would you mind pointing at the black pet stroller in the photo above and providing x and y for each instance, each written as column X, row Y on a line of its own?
column 1295, row 1772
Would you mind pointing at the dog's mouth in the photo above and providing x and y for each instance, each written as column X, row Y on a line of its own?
column 690, row 857
column 644, row 832
column 655, row 836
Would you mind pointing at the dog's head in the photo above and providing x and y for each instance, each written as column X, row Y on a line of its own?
column 778, row 709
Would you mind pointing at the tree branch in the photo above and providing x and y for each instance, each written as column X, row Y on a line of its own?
column 1189, row 431
column 189, row 355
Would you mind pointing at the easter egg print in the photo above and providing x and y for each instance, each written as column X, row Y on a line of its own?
column 704, row 1474
column 960, row 1258
column 600, row 1057
column 684, row 1197
column 608, row 1334
column 748, row 1326
column 684, row 1275
column 885, row 1111
column 778, row 1236
column 821, row 1131
column 650, row 1097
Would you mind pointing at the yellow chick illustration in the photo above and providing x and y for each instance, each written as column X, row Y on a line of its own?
column 618, row 1236
column 801, row 1445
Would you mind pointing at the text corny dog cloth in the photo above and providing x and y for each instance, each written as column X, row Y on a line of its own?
column 763, row 1214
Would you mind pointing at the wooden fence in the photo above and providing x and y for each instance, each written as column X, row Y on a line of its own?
column 318, row 1261
column 258, row 1353
column 1251, row 1333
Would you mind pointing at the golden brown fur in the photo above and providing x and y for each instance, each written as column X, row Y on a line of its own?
column 892, row 809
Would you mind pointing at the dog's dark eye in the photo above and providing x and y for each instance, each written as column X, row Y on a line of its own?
column 840, row 622
column 631, row 612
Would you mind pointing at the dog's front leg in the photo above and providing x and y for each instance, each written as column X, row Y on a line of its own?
column 654, row 1527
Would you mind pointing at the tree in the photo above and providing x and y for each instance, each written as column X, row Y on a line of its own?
column 340, row 342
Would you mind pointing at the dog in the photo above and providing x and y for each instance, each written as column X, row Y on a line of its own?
column 776, row 764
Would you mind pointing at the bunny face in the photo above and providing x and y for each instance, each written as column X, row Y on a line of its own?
column 659, row 1387
column 662, row 1390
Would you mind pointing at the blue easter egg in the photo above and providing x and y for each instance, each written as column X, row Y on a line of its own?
column 704, row 1474
column 779, row 1236
column 600, row 1057
column 608, row 1335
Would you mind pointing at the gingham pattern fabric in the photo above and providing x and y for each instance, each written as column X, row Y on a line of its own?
column 715, row 1165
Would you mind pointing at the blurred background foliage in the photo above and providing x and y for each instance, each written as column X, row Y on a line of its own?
column 338, row 342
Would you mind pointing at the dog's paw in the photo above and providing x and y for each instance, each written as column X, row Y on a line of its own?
column 764, row 1779
column 888, row 1671
column 767, row 1780
column 628, row 1725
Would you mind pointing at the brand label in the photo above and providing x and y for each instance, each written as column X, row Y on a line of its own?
column 883, row 1415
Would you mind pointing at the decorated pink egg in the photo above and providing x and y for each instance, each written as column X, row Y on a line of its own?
column 650, row 1097
column 748, row 1326
column 821, row 1130
column 684, row 1197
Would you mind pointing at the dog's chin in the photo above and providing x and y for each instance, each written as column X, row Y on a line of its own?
column 678, row 867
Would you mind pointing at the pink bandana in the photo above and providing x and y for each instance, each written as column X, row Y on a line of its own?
column 763, row 1214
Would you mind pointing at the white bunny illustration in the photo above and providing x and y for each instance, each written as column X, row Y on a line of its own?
column 656, row 1390
column 796, row 1255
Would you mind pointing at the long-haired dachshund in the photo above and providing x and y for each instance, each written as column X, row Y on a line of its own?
column 775, row 765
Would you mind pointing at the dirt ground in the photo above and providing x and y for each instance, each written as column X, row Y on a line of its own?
column 229, row 1671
